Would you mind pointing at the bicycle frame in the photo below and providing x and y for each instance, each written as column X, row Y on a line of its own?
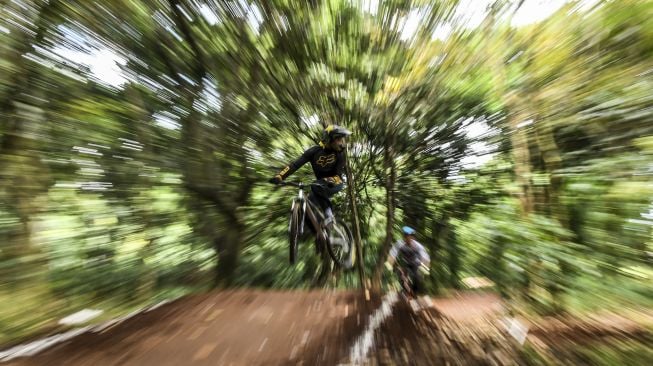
column 405, row 281
column 306, row 209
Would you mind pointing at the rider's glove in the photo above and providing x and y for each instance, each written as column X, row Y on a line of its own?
column 333, row 181
column 276, row 179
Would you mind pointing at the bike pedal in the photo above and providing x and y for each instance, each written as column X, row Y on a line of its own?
column 329, row 222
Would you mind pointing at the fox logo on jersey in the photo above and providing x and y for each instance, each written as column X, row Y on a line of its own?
column 325, row 160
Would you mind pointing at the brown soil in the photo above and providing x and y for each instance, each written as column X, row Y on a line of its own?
column 239, row 327
column 252, row 327
column 470, row 307
column 557, row 329
column 457, row 335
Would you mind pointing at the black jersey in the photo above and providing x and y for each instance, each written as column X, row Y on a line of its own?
column 325, row 163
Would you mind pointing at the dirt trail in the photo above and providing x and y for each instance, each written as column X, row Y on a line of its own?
column 456, row 331
column 240, row 327
column 466, row 307
column 253, row 327
column 250, row 327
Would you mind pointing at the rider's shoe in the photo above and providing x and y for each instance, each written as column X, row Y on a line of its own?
column 329, row 221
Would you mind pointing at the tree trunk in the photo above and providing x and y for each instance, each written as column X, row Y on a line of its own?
column 351, row 185
column 521, row 157
column 390, row 168
column 453, row 257
column 23, row 176
column 227, row 247
column 552, row 164
column 437, row 273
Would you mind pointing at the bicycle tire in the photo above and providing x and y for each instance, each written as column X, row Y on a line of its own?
column 293, row 233
column 350, row 259
column 406, row 284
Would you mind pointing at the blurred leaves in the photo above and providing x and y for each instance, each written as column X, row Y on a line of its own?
column 136, row 137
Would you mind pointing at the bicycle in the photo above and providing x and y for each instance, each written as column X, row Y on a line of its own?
column 407, row 275
column 337, row 238
column 406, row 282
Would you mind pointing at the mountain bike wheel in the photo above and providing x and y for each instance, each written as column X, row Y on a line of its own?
column 340, row 245
column 293, row 233
column 404, row 284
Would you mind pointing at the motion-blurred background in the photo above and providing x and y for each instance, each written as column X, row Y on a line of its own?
column 137, row 137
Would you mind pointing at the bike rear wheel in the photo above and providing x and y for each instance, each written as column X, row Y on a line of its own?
column 293, row 232
column 340, row 245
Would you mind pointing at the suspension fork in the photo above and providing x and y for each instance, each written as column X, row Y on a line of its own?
column 301, row 200
column 303, row 219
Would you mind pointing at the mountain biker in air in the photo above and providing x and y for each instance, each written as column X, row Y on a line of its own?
column 413, row 258
column 328, row 162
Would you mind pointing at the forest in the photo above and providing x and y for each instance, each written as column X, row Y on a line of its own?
column 137, row 139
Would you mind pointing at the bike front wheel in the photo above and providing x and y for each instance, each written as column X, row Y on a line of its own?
column 293, row 233
column 406, row 285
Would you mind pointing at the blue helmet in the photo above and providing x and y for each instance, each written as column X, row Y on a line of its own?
column 407, row 230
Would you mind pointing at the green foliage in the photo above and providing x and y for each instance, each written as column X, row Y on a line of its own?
column 153, row 183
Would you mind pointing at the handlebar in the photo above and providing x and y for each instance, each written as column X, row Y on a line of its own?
column 292, row 184
column 295, row 184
